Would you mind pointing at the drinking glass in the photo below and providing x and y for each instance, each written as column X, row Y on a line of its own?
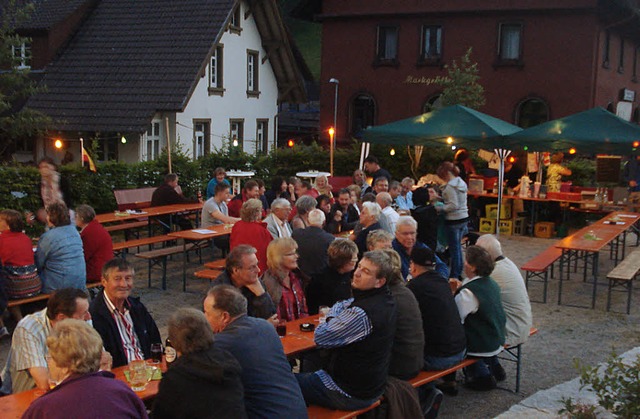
column 139, row 374
column 156, row 353
column 281, row 329
column 323, row 311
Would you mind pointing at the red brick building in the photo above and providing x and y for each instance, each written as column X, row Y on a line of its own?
column 538, row 60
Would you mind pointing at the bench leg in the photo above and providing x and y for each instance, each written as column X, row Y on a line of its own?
column 609, row 294
column 518, row 366
column 629, row 292
column 164, row 273
column 149, row 286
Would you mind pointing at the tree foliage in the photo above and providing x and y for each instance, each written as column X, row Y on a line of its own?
column 461, row 85
column 17, row 123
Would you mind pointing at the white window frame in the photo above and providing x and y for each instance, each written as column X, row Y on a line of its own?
column 152, row 140
column 236, row 131
column 22, row 54
column 427, row 32
column 216, row 80
column 253, row 70
column 510, row 50
column 262, row 135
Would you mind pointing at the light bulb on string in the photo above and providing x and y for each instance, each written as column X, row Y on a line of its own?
column 392, row 152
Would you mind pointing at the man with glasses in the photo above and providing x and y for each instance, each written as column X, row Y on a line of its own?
column 406, row 240
column 242, row 272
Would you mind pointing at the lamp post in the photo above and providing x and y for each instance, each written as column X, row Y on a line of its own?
column 336, row 82
column 332, row 132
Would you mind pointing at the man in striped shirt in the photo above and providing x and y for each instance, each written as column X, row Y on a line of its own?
column 26, row 366
column 126, row 327
column 359, row 334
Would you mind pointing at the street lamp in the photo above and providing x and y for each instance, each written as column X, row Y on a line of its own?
column 332, row 132
column 336, row 82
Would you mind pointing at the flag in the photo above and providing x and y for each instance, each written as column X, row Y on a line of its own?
column 87, row 158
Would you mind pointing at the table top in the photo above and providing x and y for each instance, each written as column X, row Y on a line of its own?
column 577, row 241
column 296, row 340
column 111, row 217
column 199, row 234
column 314, row 174
column 239, row 173
column 623, row 220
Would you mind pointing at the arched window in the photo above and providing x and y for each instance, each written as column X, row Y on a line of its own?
column 531, row 112
column 362, row 113
column 434, row 102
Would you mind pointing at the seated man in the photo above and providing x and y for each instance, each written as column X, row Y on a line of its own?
column 215, row 211
column 359, row 334
column 96, row 242
column 26, row 366
column 343, row 215
column 513, row 292
column 480, row 309
column 278, row 220
column 270, row 389
column 369, row 217
column 385, row 201
column 166, row 194
column 126, row 327
column 313, row 243
column 242, row 272
column 406, row 241
column 251, row 190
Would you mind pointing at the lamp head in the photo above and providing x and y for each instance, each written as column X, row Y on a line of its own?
column 333, row 80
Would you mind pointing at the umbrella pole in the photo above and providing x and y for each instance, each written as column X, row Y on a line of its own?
column 502, row 154
column 364, row 152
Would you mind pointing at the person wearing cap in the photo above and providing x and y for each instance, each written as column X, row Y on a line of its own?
column 444, row 335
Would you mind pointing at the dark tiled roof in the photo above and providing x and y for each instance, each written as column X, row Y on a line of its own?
column 130, row 59
column 46, row 13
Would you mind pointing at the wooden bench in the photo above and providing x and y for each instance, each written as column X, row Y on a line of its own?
column 120, row 248
column 158, row 257
column 42, row 297
column 209, row 274
column 623, row 276
column 514, row 354
column 133, row 198
column 537, row 269
column 219, row 264
column 318, row 412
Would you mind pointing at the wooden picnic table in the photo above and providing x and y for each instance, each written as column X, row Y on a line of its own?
column 119, row 216
column 296, row 341
column 200, row 238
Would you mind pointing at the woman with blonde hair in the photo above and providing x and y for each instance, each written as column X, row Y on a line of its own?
column 284, row 280
column 555, row 171
column 81, row 391
column 252, row 231
column 323, row 186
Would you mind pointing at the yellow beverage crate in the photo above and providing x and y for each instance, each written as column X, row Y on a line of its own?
column 544, row 229
column 487, row 225
column 492, row 209
column 505, row 227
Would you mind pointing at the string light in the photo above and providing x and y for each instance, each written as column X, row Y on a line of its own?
column 572, row 150
column 392, row 152
column 449, row 140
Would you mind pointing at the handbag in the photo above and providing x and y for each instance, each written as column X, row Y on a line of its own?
column 21, row 281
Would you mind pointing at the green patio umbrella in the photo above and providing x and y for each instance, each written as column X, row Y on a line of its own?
column 467, row 127
column 593, row 131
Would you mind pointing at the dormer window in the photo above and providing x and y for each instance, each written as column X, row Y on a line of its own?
column 22, row 55
column 235, row 25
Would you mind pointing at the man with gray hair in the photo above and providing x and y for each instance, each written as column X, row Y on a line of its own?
column 313, row 243
column 513, row 292
column 242, row 272
column 359, row 334
column 384, row 200
column 269, row 385
column 369, row 218
column 406, row 240
column 278, row 220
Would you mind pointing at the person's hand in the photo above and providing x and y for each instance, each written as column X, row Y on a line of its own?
column 106, row 361
column 454, row 284
column 273, row 320
column 338, row 216
column 256, row 288
column 633, row 183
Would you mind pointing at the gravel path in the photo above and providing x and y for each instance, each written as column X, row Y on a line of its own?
column 565, row 333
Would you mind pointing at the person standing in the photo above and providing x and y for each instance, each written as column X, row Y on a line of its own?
column 555, row 171
column 372, row 166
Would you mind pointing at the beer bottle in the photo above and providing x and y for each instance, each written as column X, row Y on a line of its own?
column 170, row 353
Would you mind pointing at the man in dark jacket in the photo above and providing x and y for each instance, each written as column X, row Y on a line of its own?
column 343, row 215
column 313, row 243
column 166, row 194
column 126, row 327
column 359, row 334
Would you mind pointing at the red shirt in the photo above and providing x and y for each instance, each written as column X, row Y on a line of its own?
column 98, row 249
column 293, row 304
column 16, row 249
column 254, row 234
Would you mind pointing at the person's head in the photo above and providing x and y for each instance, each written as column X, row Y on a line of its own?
column 242, row 265
column 396, row 267
column 370, row 213
column 261, row 186
column 420, row 196
column 344, row 198
column 447, row 171
column 281, row 208
column 407, row 232
column 381, row 185
column 278, row 184
column 223, row 305
column 407, row 185
column 68, row 303
column 359, row 177
column 557, row 158
column 171, row 179
column 369, row 197
column 384, row 199
column 316, row 218
column 342, row 255
column 355, row 192
column 251, row 189
column 117, row 279
column 189, row 331
column 58, row 214
column 371, row 164
column 84, row 215
column 74, row 348
column 478, row 262
column 422, row 259
column 490, row 243
column 373, row 271
column 219, row 174
column 47, row 166
column 324, row 203
column 282, row 255
column 461, row 155
column 395, row 189
column 379, row 239
column 221, row 191
column 251, row 210
column 322, row 182
column 305, row 204
column 11, row 220
column 302, row 187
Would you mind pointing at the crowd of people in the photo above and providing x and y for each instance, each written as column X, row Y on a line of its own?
column 396, row 304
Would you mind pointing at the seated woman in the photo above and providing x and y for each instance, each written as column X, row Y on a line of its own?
column 59, row 256
column 81, row 391
column 18, row 275
column 284, row 281
column 204, row 382
column 279, row 189
column 96, row 242
column 480, row 308
column 252, row 231
column 304, row 205
column 323, row 186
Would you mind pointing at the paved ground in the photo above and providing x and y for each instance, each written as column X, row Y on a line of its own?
column 565, row 332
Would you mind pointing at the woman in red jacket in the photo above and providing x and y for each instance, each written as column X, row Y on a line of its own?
column 252, row 231
column 96, row 242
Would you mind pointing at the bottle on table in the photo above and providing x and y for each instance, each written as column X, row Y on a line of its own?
column 170, row 353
